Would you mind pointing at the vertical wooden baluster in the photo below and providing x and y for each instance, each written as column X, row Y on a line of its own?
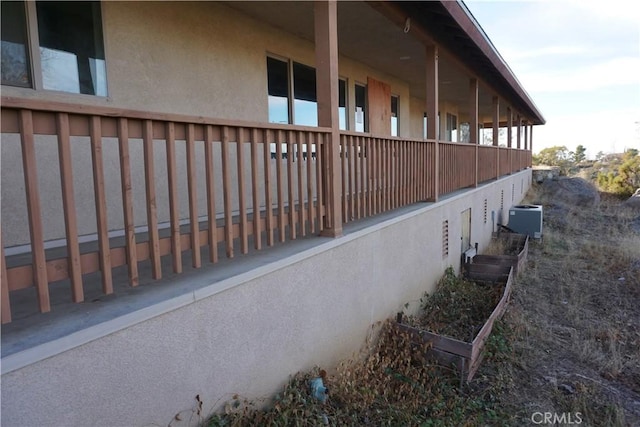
column 319, row 178
column 356, row 179
column 174, row 214
column 363, row 176
column 152, row 209
column 226, row 192
column 69, row 206
column 212, row 227
column 127, row 200
column 266, row 146
column 257, row 234
column 281, row 219
column 391, row 155
column 343, row 164
column 242, row 202
column 380, row 177
column 6, row 302
column 369, row 156
column 95, row 132
column 376, row 160
column 301, row 211
column 351, row 161
column 290, row 193
column 310, row 210
column 193, row 196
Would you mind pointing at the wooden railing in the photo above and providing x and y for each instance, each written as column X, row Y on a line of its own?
column 169, row 190
column 505, row 160
column 487, row 162
column 381, row 174
column 457, row 166
column 268, row 177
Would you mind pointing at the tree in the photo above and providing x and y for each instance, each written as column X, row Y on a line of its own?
column 555, row 156
column 625, row 179
column 580, row 154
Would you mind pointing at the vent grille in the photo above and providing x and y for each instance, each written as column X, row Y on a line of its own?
column 513, row 191
column 485, row 211
column 501, row 200
column 445, row 239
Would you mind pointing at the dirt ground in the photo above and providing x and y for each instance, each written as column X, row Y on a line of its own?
column 574, row 322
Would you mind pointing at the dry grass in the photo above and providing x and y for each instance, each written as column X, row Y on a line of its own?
column 577, row 311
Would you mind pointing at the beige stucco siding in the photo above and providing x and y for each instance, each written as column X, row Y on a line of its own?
column 202, row 59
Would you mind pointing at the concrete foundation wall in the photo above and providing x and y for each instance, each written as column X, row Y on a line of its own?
column 246, row 335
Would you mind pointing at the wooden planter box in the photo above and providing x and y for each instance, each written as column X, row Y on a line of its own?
column 465, row 356
column 483, row 267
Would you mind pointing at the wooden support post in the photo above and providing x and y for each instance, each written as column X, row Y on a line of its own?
column 526, row 135
column 519, row 131
column 473, row 122
column 326, row 40
column 431, row 109
column 496, row 132
column 510, row 137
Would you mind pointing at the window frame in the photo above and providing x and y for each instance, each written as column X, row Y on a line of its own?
column 291, row 90
column 397, row 115
column 35, row 59
column 365, row 110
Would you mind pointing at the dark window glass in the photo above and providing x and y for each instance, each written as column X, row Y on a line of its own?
column 278, row 87
column 394, row 116
column 71, row 47
column 15, row 54
column 342, row 104
column 361, row 109
column 305, row 102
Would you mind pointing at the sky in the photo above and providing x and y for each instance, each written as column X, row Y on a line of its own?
column 579, row 60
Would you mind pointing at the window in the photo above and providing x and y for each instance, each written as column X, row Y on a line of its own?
column 285, row 77
column 394, row 115
column 361, row 108
column 305, row 102
column 451, row 128
column 278, row 88
column 69, row 49
column 342, row 104
column 15, row 52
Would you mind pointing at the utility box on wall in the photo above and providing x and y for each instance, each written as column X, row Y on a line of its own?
column 526, row 219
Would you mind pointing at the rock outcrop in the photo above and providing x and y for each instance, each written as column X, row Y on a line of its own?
column 571, row 191
column 634, row 200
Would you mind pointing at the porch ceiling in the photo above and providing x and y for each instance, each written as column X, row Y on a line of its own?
column 367, row 36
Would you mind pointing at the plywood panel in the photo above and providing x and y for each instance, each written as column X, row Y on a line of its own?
column 379, row 99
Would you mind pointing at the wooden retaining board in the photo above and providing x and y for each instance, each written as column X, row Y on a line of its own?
column 518, row 262
column 466, row 356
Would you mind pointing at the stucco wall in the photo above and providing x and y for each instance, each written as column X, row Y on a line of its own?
column 197, row 58
column 314, row 308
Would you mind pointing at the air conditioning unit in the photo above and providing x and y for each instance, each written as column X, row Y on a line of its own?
column 526, row 219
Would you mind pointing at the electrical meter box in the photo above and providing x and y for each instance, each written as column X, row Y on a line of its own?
column 526, row 219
